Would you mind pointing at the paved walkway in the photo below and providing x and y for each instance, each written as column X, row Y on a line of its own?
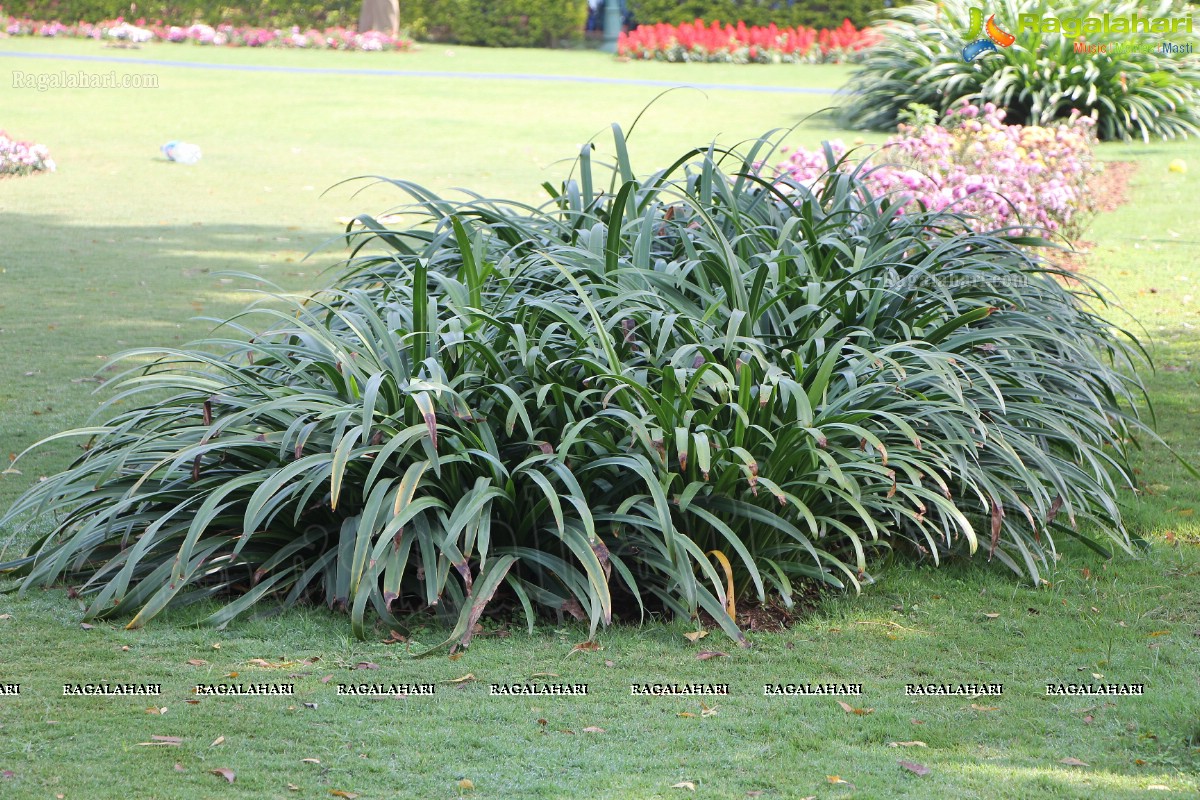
column 409, row 73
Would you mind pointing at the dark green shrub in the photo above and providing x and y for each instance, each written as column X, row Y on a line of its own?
column 670, row 392
column 496, row 23
column 259, row 13
column 1039, row 79
column 818, row 14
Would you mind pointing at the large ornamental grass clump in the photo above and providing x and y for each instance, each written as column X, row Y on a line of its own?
column 667, row 393
column 1135, row 88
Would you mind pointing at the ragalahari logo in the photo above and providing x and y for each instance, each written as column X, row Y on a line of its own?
column 980, row 43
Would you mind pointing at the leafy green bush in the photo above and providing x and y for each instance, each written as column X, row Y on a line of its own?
column 1039, row 79
column 496, row 23
column 820, row 14
column 672, row 392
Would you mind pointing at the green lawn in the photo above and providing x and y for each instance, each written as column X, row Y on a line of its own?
column 120, row 249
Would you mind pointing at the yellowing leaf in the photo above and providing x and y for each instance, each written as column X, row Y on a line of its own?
column 1073, row 762
column 691, row 787
column 217, row 741
column 340, row 793
column 310, row 761
column 992, row 616
column 466, row 785
column 464, row 679
column 913, row 743
column 849, row 709
column 587, row 646
column 707, row 711
column 695, row 636
column 1160, row 633
column 835, row 779
column 685, row 714
column 197, row 662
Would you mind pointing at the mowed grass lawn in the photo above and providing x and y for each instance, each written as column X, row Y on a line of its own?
column 120, row 249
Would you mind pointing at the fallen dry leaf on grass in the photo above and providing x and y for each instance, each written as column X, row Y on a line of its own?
column 593, row 729
column 162, row 741
column 695, row 636
column 340, row 793
column 913, row 743
column 985, row 708
column 916, row 769
column 217, row 741
column 587, row 646
column 849, row 709
column 836, row 779
column 8, row 773
column 366, row 665
column 179, row 767
column 707, row 654
column 1073, row 762
column 6, row 616
column 466, row 785
column 691, row 787
column 992, row 616
column 197, row 662
column 226, row 773
column 464, row 679
column 685, row 714
column 310, row 761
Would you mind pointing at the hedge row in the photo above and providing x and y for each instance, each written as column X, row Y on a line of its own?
column 499, row 23
column 257, row 13
column 496, row 23
column 783, row 13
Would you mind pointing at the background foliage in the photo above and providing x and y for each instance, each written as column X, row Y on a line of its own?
column 499, row 23
column 496, row 23
column 818, row 14
column 259, row 13
column 1037, row 80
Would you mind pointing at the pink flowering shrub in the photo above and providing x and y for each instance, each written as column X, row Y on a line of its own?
column 1005, row 176
column 22, row 158
column 220, row 35
column 742, row 44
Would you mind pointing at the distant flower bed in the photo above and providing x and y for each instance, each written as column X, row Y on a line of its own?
column 740, row 44
column 974, row 164
column 22, row 158
column 119, row 30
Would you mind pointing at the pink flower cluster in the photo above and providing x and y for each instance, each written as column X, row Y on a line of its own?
column 23, row 158
column 220, row 35
column 1005, row 176
column 742, row 44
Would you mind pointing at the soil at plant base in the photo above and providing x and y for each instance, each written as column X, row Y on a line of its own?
column 772, row 616
column 1111, row 191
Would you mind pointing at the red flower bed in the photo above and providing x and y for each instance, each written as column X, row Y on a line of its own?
column 741, row 44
